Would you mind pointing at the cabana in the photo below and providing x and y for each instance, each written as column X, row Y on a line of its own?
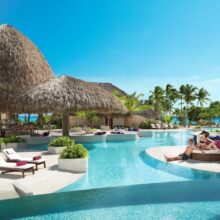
column 64, row 95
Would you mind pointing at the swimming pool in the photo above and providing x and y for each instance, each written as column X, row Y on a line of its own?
column 123, row 179
column 125, row 163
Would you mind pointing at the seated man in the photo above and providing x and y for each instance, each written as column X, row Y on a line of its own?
column 185, row 155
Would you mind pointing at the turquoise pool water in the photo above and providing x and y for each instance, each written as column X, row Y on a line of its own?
column 198, row 199
column 125, row 163
column 24, row 117
column 124, row 183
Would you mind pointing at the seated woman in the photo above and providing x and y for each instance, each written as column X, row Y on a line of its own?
column 186, row 155
column 205, row 143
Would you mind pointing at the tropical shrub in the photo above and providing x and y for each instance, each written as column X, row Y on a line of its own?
column 11, row 139
column 76, row 129
column 61, row 141
column 214, row 130
column 198, row 126
column 147, row 124
column 167, row 119
column 181, row 119
column 74, row 152
column 194, row 113
column 202, row 122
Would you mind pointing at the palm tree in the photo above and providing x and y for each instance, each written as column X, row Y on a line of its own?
column 171, row 95
column 189, row 96
column 177, row 113
column 156, row 99
column 181, row 95
column 132, row 104
column 214, row 110
column 201, row 95
column 92, row 117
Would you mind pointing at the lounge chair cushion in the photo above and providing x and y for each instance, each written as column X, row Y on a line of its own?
column 21, row 163
column 4, row 164
column 36, row 157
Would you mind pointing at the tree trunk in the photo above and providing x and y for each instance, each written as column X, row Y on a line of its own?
column 194, row 115
column 130, row 120
column 65, row 124
column 181, row 103
column 29, row 116
column 187, row 111
column 40, row 119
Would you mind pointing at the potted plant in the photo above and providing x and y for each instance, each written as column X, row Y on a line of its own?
column 12, row 142
column 57, row 145
column 76, row 129
column 74, row 158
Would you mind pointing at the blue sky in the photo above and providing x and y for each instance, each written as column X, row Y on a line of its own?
column 134, row 44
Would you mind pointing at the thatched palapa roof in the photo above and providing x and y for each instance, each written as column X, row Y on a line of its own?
column 28, row 85
column 65, row 94
column 22, row 65
column 111, row 88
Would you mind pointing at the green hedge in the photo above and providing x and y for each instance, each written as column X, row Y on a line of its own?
column 147, row 124
column 11, row 139
column 74, row 151
column 61, row 141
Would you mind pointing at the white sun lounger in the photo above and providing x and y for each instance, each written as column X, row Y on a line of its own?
column 164, row 126
column 153, row 126
column 6, row 167
column 12, row 156
column 158, row 126
column 171, row 126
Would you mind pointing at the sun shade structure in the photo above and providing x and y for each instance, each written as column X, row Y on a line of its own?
column 22, row 65
column 28, row 85
column 64, row 95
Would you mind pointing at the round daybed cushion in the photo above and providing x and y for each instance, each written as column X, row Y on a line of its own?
column 208, row 155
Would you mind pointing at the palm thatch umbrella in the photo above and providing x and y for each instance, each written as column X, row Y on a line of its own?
column 63, row 95
column 22, row 65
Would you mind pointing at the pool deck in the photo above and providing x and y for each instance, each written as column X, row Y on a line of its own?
column 45, row 180
column 170, row 151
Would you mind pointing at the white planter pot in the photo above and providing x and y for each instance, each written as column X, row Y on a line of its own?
column 55, row 150
column 15, row 146
column 75, row 165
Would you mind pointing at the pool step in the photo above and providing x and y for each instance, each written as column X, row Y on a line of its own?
column 22, row 190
